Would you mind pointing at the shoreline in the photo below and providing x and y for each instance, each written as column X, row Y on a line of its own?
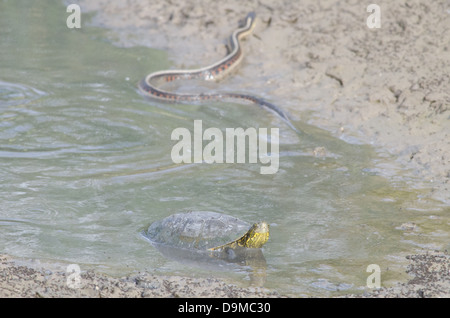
column 21, row 278
column 323, row 65
column 386, row 87
column 430, row 279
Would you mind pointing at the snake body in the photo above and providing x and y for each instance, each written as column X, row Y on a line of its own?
column 215, row 71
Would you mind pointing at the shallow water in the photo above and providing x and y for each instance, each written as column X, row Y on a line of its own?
column 85, row 166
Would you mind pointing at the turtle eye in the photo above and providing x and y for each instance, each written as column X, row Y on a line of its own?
column 230, row 253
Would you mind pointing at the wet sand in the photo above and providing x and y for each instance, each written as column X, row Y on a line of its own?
column 387, row 87
column 430, row 277
column 24, row 278
column 320, row 62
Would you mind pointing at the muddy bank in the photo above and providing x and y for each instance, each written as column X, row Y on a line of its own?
column 320, row 61
column 19, row 279
column 430, row 278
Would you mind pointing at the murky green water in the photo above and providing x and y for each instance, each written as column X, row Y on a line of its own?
column 85, row 166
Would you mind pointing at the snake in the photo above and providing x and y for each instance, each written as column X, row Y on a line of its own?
column 212, row 72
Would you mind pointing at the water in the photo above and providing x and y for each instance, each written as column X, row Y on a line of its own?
column 85, row 166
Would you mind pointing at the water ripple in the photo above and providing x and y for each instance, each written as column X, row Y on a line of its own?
column 18, row 94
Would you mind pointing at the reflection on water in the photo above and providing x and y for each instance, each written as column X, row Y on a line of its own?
column 85, row 166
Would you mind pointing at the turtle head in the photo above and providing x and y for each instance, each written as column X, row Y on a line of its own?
column 257, row 235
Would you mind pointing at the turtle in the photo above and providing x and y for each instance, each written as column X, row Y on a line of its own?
column 209, row 231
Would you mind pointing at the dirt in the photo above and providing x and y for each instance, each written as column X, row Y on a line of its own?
column 430, row 274
column 431, row 279
column 20, row 278
column 320, row 62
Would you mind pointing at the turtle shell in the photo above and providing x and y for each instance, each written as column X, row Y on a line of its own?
column 197, row 230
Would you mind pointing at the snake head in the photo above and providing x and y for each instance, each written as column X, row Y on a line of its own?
column 248, row 20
